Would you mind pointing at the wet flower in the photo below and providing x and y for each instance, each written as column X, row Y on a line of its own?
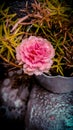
column 35, row 54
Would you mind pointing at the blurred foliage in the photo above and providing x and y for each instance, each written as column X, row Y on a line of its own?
column 49, row 19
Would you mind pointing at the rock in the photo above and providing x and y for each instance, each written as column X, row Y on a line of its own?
column 48, row 111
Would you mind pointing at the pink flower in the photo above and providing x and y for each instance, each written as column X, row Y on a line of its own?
column 35, row 54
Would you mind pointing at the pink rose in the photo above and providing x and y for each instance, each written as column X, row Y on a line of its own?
column 35, row 54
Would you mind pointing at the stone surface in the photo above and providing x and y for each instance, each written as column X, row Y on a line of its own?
column 48, row 111
column 26, row 105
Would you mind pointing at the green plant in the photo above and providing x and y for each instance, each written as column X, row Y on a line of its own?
column 8, row 40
